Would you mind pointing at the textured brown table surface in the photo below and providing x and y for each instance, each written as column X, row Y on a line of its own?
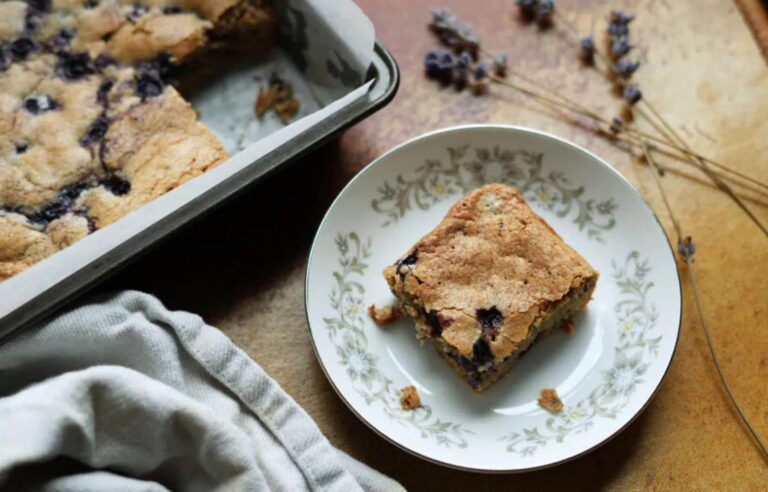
column 243, row 267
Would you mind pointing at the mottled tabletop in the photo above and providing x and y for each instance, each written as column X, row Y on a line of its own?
column 242, row 268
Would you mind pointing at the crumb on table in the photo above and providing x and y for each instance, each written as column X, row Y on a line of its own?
column 278, row 96
column 385, row 314
column 550, row 400
column 409, row 398
column 569, row 327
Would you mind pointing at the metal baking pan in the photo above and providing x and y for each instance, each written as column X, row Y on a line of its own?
column 73, row 270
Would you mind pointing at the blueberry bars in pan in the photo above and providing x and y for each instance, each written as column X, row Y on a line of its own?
column 487, row 281
column 90, row 128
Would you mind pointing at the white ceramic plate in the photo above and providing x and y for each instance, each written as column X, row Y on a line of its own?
column 605, row 373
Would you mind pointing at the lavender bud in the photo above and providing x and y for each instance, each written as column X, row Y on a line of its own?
column 587, row 48
column 527, row 8
column 500, row 65
column 620, row 47
column 616, row 124
column 632, row 94
column 480, row 72
column 544, row 11
column 686, row 248
column 620, row 17
column 617, row 30
column 625, row 68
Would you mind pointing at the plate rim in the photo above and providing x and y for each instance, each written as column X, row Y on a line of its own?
column 505, row 127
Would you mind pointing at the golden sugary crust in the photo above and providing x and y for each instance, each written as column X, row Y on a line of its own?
column 490, row 252
column 156, row 146
column 89, row 131
column 131, row 31
column 178, row 35
column 21, row 245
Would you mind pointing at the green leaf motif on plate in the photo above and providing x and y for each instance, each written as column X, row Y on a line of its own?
column 345, row 330
column 636, row 318
column 469, row 167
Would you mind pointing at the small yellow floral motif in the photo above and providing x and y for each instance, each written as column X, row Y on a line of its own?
column 575, row 414
column 627, row 325
column 352, row 310
column 439, row 189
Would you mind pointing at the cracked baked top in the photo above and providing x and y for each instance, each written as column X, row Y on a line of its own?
column 487, row 274
column 90, row 128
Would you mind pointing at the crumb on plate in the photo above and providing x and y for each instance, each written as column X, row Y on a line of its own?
column 385, row 314
column 409, row 398
column 550, row 400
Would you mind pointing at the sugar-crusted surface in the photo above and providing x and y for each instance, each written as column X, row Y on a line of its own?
column 491, row 251
column 89, row 129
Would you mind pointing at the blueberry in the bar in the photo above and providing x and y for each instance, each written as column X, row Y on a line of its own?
column 37, row 104
column 61, row 205
column 148, row 84
column 22, row 47
column 481, row 353
column 96, row 131
column 103, row 61
column 41, row 6
column 491, row 320
column 61, row 39
column 104, row 88
column 73, row 66
column 116, row 185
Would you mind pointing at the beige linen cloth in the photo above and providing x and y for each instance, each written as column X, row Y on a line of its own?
column 123, row 395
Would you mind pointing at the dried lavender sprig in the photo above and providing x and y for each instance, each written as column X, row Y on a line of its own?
column 591, row 114
column 675, row 137
column 613, row 68
column 687, row 256
column 652, row 162
column 705, row 168
column 558, row 99
column 701, row 164
column 684, row 158
column 705, row 328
